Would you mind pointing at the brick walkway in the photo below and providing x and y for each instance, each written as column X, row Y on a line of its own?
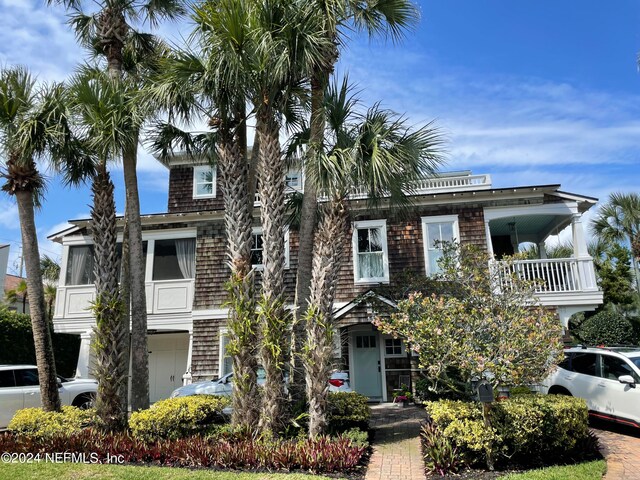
column 621, row 448
column 396, row 445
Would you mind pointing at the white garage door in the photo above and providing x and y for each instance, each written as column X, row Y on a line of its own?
column 167, row 363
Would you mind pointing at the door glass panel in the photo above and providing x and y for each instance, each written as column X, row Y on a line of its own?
column 584, row 363
column 27, row 377
column 6, row 379
column 613, row 367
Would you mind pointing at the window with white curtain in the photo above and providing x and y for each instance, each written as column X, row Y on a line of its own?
column 80, row 265
column 435, row 231
column 174, row 259
column 204, row 181
column 370, row 256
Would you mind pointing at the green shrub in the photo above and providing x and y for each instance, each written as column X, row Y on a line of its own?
column 36, row 423
column 526, row 429
column 16, row 344
column 178, row 417
column 348, row 410
column 520, row 390
column 359, row 438
column 607, row 328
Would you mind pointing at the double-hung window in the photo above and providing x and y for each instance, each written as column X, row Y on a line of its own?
column 204, row 181
column 370, row 256
column 257, row 248
column 436, row 231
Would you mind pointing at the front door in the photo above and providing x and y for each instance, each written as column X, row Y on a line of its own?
column 366, row 377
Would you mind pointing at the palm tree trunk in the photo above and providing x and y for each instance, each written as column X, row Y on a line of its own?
column 273, row 318
column 41, row 333
column 318, row 351
column 308, row 220
column 107, row 308
column 137, row 262
column 242, row 322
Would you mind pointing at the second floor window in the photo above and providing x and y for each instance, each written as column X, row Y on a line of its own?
column 435, row 231
column 257, row 248
column 174, row 259
column 204, row 181
column 370, row 260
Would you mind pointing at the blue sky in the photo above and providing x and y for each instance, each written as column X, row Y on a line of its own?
column 529, row 92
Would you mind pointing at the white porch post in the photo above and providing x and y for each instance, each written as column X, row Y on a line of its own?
column 487, row 232
column 186, row 378
column 586, row 273
column 83, row 368
column 542, row 250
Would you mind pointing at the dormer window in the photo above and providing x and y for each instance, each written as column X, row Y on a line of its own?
column 204, row 181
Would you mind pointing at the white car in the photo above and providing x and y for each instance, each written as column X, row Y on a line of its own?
column 607, row 378
column 20, row 388
column 339, row 382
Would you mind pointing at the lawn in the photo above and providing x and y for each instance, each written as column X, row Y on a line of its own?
column 582, row 471
column 75, row 471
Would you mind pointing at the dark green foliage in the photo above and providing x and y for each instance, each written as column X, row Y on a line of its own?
column 348, row 410
column 606, row 328
column 16, row 344
column 322, row 455
column 526, row 430
column 613, row 268
column 449, row 386
column 358, row 437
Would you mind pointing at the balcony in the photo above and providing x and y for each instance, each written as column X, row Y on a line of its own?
column 163, row 297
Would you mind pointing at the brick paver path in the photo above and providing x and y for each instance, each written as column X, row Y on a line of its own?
column 396, row 445
column 622, row 451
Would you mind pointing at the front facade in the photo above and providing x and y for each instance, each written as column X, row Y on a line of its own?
column 186, row 269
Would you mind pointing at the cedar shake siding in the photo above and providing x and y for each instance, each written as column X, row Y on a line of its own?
column 181, row 193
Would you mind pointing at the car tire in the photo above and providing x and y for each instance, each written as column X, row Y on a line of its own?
column 557, row 390
column 84, row 401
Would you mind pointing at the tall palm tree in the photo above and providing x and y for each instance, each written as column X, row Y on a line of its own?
column 618, row 220
column 386, row 18
column 107, row 124
column 27, row 123
column 109, row 31
column 375, row 151
column 207, row 80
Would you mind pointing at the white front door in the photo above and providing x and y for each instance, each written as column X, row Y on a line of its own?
column 366, row 376
column 167, row 363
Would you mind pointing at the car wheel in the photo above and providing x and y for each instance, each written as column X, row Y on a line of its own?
column 556, row 390
column 84, row 401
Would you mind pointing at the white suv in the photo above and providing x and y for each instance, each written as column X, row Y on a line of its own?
column 20, row 388
column 607, row 378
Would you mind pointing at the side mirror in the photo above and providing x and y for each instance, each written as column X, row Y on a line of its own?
column 627, row 379
column 59, row 383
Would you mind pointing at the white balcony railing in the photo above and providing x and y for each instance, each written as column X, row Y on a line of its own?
column 163, row 297
column 445, row 183
column 554, row 275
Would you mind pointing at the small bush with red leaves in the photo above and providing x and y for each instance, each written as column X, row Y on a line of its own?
column 323, row 455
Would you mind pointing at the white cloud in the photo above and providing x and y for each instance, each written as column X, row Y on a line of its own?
column 8, row 216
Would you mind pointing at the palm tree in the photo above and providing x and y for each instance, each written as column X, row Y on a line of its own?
column 27, row 123
column 109, row 32
column 107, row 124
column 208, row 80
column 618, row 220
column 50, row 274
column 387, row 18
column 18, row 293
column 375, row 151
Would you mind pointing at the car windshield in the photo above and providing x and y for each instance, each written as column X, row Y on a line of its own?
column 636, row 361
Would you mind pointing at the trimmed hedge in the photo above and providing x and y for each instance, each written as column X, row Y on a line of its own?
column 16, row 344
column 179, row 417
column 606, row 328
column 35, row 423
column 525, row 430
column 348, row 410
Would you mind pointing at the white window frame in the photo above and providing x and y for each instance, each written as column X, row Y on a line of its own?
column 382, row 224
column 224, row 332
column 258, row 231
column 203, row 168
column 425, row 240
column 403, row 351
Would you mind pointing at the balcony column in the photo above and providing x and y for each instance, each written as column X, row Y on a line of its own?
column 487, row 232
column 83, row 368
column 542, row 250
column 586, row 273
column 187, row 378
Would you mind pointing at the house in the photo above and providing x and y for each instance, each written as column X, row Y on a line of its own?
column 186, row 268
column 20, row 301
